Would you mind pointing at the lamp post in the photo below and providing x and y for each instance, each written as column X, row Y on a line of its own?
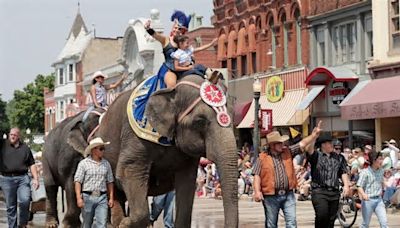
column 257, row 92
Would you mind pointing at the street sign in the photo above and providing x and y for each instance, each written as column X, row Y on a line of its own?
column 266, row 121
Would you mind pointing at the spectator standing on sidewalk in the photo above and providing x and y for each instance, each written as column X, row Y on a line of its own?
column 15, row 160
column 93, row 180
column 275, row 179
column 327, row 167
column 370, row 190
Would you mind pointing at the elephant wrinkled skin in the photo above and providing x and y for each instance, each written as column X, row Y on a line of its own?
column 143, row 168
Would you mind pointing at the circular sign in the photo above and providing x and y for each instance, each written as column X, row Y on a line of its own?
column 223, row 119
column 274, row 89
column 212, row 94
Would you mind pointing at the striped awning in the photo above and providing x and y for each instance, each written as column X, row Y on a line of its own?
column 284, row 112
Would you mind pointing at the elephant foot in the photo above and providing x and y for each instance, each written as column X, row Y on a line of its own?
column 129, row 223
column 51, row 222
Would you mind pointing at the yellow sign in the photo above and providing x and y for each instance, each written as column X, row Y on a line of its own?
column 274, row 89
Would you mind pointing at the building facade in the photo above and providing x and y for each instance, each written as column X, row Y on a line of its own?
column 376, row 100
column 340, row 49
column 264, row 39
column 50, row 110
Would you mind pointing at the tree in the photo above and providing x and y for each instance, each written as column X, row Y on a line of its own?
column 4, row 124
column 26, row 110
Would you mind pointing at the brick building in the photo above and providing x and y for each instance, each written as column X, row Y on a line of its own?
column 50, row 110
column 262, row 39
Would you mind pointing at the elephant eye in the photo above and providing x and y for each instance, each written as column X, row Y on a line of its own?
column 200, row 121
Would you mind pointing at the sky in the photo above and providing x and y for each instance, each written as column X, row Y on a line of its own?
column 33, row 32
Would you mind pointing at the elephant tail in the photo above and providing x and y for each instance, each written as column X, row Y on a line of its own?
column 62, row 201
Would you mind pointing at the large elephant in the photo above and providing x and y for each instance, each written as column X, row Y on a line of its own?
column 143, row 168
column 63, row 149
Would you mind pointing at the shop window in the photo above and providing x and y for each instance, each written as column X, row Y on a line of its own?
column 244, row 65
column 394, row 24
column 61, row 110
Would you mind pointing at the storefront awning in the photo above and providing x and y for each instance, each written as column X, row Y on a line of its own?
column 313, row 93
column 378, row 98
column 283, row 112
column 322, row 75
column 240, row 111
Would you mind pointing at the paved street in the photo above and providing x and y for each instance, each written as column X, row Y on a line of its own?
column 208, row 213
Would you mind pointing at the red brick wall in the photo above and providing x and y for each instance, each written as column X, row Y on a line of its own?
column 49, row 102
column 228, row 16
column 80, row 95
column 207, row 57
column 324, row 6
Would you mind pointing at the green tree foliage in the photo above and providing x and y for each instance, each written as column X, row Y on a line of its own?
column 26, row 110
column 4, row 124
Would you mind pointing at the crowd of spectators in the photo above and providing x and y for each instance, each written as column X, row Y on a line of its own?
column 208, row 184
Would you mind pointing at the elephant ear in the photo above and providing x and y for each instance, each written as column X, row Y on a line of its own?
column 76, row 139
column 160, row 112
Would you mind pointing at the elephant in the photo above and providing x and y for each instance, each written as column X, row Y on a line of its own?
column 143, row 168
column 63, row 149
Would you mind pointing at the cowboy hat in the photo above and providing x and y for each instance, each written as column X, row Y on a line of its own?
column 95, row 143
column 275, row 136
column 323, row 138
column 98, row 74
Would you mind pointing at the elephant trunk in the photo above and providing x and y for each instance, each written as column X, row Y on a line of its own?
column 222, row 150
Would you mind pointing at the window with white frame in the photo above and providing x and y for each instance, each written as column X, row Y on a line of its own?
column 61, row 76
column 70, row 72
column 394, row 24
column 344, row 38
column 321, row 57
column 369, row 48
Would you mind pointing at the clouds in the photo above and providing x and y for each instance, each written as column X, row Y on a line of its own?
column 34, row 32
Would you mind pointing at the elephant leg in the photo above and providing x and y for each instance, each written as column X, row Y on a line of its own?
column 118, row 211
column 135, row 184
column 71, row 218
column 185, row 186
column 51, row 206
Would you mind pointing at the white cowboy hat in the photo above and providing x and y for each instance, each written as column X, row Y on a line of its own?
column 275, row 136
column 95, row 143
column 97, row 74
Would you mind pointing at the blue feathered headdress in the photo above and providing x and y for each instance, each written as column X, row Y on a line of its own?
column 181, row 17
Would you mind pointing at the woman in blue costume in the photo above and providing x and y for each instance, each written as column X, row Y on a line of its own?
column 165, row 76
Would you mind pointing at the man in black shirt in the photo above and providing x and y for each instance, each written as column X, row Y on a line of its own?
column 327, row 167
column 15, row 160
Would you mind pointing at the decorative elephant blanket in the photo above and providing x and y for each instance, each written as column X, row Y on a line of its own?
column 136, row 107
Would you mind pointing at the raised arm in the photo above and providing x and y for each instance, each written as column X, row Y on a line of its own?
column 157, row 36
column 115, row 85
column 206, row 46
column 307, row 144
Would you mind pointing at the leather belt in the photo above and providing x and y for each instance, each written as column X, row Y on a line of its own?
column 94, row 193
column 13, row 174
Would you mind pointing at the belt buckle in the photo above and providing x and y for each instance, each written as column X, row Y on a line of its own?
column 96, row 193
column 281, row 192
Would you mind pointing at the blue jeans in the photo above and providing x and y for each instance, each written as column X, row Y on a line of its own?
column 387, row 195
column 166, row 202
column 95, row 206
column 370, row 206
column 272, row 205
column 17, row 190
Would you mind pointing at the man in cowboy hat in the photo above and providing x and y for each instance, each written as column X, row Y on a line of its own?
column 394, row 151
column 327, row 167
column 275, row 178
column 93, row 180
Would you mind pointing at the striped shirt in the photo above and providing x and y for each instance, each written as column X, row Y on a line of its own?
column 281, row 178
column 326, row 170
column 370, row 181
column 94, row 175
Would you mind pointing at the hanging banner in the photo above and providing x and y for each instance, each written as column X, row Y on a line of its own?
column 266, row 121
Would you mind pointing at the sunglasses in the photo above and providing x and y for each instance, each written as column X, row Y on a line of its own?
column 101, row 148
